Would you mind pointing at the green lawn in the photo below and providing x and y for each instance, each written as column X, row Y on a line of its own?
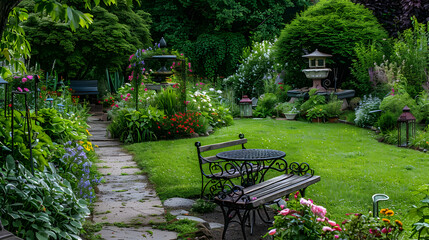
column 352, row 164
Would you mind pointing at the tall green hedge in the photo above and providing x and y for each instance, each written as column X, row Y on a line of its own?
column 331, row 26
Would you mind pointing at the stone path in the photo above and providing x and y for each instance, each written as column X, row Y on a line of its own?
column 125, row 198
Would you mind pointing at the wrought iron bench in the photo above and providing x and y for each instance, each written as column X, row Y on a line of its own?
column 84, row 87
column 6, row 235
column 218, row 172
column 238, row 201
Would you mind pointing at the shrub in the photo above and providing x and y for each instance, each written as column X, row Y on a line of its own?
column 312, row 101
column 258, row 64
column 287, row 107
column 317, row 111
column 421, row 227
column 333, row 107
column 363, row 116
column 332, row 26
column 395, row 104
column 354, row 103
column 181, row 125
column 386, row 122
column 266, row 105
column 423, row 103
column 168, row 100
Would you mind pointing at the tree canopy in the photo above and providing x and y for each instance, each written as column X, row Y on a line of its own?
column 331, row 26
column 116, row 32
column 13, row 44
column 212, row 33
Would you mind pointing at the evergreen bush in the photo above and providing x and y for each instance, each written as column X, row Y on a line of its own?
column 331, row 26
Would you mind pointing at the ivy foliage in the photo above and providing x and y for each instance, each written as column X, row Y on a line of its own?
column 331, row 26
column 117, row 31
column 212, row 33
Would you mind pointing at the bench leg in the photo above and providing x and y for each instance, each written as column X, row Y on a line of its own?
column 230, row 213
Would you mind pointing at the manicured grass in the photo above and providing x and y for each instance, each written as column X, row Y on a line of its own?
column 352, row 164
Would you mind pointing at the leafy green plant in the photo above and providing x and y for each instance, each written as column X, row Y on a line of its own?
column 287, row 107
column 266, row 105
column 317, row 111
column 169, row 101
column 386, row 122
column 132, row 126
column 364, row 117
column 42, row 206
column 312, row 101
column 333, row 107
column 203, row 206
column 421, row 227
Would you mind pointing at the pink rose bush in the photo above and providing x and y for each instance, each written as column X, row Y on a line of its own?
column 303, row 219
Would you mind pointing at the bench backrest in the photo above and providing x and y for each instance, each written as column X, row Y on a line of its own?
column 201, row 149
column 83, row 87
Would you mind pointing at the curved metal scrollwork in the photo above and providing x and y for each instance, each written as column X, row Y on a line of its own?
column 300, row 169
column 326, row 83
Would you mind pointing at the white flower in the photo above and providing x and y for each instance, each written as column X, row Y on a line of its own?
column 204, row 92
column 219, row 91
column 210, row 104
column 211, row 89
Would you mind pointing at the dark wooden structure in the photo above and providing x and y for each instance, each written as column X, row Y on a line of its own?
column 84, row 87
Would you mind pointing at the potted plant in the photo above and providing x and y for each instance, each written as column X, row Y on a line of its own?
column 289, row 110
column 316, row 113
column 333, row 110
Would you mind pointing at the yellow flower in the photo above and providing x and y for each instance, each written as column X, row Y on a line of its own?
column 399, row 223
column 96, row 146
column 89, row 134
column 390, row 213
column 386, row 220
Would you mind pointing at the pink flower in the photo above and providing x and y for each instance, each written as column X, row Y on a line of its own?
column 282, row 206
column 129, row 66
column 132, row 89
column 384, row 230
column 128, row 94
column 24, row 80
column 272, row 232
column 320, row 219
column 19, row 89
column 336, row 236
column 254, row 198
column 122, row 96
column 326, row 228
column 130, row 77
column 26, row 89
column 285, row 212
column 126, row 99
column 142, row 83
column 318, row 210
column 116, row 105
column 131, row 57
column 332, row 223
column 144, row 69
column 145, row 89
column 30, row 77
column 296, row 195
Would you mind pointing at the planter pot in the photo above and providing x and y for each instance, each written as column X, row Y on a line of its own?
column 317, row 120
column 290, row 116
column 333, row 119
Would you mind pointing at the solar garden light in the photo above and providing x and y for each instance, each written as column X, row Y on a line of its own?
column 375, row 199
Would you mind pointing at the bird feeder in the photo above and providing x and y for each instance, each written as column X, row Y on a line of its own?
column 406, row 127
column 4, row 85
column 245, row 107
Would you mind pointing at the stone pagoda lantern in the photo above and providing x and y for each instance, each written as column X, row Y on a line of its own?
column 317, row 70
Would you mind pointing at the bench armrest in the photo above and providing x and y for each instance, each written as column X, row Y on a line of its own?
column 300, row 169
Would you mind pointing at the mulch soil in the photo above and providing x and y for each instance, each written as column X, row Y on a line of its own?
column 234, row 230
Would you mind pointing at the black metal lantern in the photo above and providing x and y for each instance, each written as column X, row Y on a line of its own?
column 4, row 85
column 406, row 127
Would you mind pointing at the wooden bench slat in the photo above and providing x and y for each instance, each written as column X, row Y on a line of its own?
column 209, row 159
column 222, row 145
column 285, row 191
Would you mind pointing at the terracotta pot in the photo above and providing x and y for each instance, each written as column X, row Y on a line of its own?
column 333, row 119
column 317, row 120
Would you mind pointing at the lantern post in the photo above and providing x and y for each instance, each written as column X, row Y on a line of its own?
column 406, row 127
